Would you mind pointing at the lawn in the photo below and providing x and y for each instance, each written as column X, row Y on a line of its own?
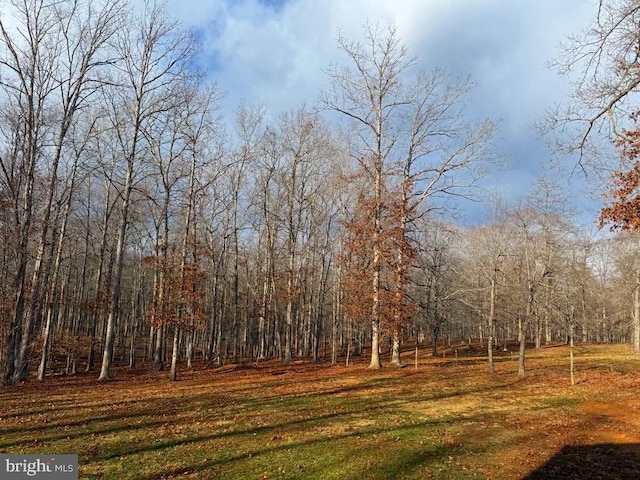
column 449, row 419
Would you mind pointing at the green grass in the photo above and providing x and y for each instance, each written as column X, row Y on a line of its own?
column 447, row 420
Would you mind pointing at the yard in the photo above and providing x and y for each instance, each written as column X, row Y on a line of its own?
column 448, row 419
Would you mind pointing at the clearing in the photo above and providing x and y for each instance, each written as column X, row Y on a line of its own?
column 448, row 419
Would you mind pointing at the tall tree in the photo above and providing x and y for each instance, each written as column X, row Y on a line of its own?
column 411, row 136
column 28, row 82
column 369, row 93
column 155, row 55
column 52, row 65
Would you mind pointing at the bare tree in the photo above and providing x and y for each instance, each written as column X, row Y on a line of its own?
column 53, row 64
column 28, row 81
column 155, row 55
column 535, row 265
column 411, row 128
column 369, row 93
column 79, row 146
column 493, row 249
column 84, row 35
column 602, row 62
column 303, row 137
column 432, row 281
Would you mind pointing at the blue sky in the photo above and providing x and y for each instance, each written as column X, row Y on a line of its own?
column 273, row 52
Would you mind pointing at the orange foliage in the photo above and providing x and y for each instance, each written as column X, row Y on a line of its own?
column 357, row 259
column 624, row 211
column 182, row 301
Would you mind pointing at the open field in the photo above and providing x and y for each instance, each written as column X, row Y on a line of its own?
column 447, row 420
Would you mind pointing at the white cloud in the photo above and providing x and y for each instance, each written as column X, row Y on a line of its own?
column 275, row 55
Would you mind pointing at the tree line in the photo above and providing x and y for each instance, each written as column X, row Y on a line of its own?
column 137, row 224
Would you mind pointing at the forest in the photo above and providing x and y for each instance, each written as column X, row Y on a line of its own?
column 140, row 227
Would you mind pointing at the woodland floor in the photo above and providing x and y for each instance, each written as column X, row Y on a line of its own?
column 448, row 419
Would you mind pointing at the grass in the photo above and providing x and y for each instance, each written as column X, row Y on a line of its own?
column 447, row 420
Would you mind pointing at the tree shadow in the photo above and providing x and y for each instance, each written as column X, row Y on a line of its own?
column 592, row 462
column 387, row 468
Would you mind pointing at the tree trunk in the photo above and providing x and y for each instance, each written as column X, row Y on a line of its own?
column 396, row 361
column 636, row 314
column 107, row 356
column 375, row 309
column 492, row 313
column 375, row 347
column 54, row 279
column 523, row 343
column 173, row 375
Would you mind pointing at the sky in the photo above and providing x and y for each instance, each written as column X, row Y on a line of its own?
column 274, row 52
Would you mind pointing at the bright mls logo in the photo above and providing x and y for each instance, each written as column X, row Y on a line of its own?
column 50, row 467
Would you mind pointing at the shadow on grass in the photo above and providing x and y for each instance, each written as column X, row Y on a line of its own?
column 149, row 411
column 161, row 445
column 145, row 415
column 314, row 404
column 592, row 462
column 407, row 463
column 72, row 405
column 44, row 439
